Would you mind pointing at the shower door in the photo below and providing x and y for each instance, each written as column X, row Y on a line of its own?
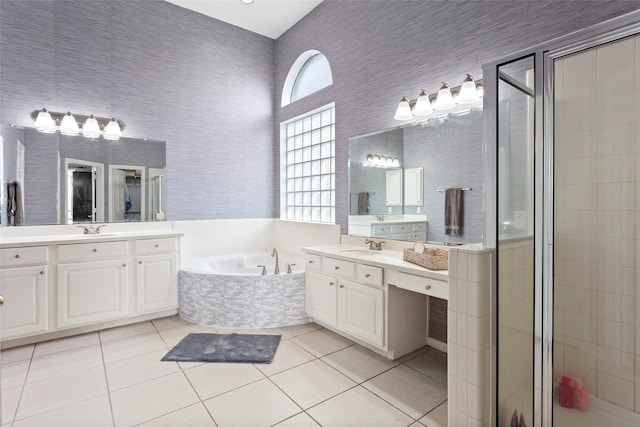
column 596, row 229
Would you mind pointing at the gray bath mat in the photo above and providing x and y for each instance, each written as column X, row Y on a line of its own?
column 227, row 348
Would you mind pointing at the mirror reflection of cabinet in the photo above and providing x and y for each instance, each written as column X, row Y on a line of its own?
column 394, row 187
column 413, row 187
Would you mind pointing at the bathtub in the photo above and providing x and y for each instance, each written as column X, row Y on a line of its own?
column 229, row 291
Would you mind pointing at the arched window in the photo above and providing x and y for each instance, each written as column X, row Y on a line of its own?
column 310, row 73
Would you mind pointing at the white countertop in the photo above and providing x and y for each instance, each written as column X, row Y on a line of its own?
column 384, row 258
column 84, row 238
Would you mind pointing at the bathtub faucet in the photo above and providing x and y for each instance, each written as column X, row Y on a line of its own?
column 274, row 253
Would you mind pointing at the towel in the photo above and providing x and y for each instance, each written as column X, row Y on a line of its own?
column 15, row 211
column 363, row 203
column 452, row 211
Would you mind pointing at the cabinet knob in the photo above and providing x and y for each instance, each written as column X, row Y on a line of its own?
column 95, row 250
column 124, row 265
column 157, row 245
column 427, row 287
column 17, row 256
column 367, row 275
column 1, row 300
column 341, row 286
column 310, row 261
column 139, row 262
column 337, row 267
column 41, row 271
column 331, row 283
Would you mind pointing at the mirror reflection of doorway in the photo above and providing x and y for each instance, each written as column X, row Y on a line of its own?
column 127, row 193
column 84, row 191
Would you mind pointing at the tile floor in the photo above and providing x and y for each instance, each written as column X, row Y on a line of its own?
column 115, row 378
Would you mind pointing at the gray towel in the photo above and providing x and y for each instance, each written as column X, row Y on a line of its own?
column 363, row 203
column 453, row 211
column 15, row 211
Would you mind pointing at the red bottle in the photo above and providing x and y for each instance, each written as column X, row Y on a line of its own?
column 565, row 392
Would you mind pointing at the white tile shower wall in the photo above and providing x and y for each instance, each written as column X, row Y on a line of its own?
column 597, row 292
column 468, row 337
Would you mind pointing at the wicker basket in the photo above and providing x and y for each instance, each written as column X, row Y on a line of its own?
column 433, row 259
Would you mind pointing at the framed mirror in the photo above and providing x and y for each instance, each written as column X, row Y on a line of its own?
column 61, row 179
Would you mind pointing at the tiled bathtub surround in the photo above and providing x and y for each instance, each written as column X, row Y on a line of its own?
column 468, row 337
column 597, row 148
column 242, row 301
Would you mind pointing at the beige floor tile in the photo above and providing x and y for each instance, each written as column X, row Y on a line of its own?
column 151, row 399
column 126, row 331
column 132, row 346
column 358, row 407
column 54, row 393
column 322, row 342
column 64, row 344
column 14, row 374
column 436, row 418
column 408, row 390
column 311, row 383
column 287, row 356
column 138, row 369
column 432, row 363
column 300, row 420
column 295, row 330
column 212, row 379
column 173, row 336
column 10, row 399
column 170, row 322
column 359, row 363
column 257, row 404
column 64, row 362
column 94, row 412
column 194, row 415
column 16, row 354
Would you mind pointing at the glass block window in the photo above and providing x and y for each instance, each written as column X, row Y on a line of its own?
column 308, row 167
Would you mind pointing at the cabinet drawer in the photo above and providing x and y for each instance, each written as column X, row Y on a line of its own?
column 401, row 228
column 420, row 226
column 155, row 246
column 419, row 237
column 10, row 257
column 312, row 261
column 339, row 266
column 92, row 251
column 402, row 236
column 423, row 285
column 369, row 275
column 380, row 230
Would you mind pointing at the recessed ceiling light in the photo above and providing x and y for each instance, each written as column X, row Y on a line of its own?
column 247, row 1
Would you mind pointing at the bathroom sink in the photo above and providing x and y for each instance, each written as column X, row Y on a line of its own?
column 359, row 252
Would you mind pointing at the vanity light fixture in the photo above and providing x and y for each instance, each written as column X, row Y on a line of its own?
column 70, row 124
column 382, row 161
column 447, row 98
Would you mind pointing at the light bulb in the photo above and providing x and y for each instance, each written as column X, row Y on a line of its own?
column 468, row 92
column 44, row 122
column 112, row 131
column 423, row 104
column 403, row 112
column 444, row 100
column 69, row 126
column 91, row 128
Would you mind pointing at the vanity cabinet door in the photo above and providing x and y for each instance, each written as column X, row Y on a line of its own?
column 157, row 282
column 321, row 297
column 91, row 292
column 361, row 312
column 25, row 309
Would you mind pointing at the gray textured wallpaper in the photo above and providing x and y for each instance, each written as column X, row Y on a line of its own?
column 212, row 90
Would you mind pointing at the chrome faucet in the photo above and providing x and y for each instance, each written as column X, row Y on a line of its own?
column 92, row 229
column 264, row 269
column 373, row 245
column 274, row 253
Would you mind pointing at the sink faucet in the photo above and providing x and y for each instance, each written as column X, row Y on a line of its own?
column 373, row 245
column 274, row 253
column 92, row 229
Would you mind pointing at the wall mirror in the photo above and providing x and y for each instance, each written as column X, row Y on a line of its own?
column 431, row 156
column 59, row 179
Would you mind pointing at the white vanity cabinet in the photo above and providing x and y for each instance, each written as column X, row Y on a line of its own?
column 156, row 274
column 24, row 284
column 337, row 298
column 92, row 283
column 413, row 231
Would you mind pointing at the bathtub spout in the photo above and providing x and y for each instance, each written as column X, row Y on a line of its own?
column 274, row 253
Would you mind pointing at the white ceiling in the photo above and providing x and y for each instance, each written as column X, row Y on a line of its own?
column 270, row 18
